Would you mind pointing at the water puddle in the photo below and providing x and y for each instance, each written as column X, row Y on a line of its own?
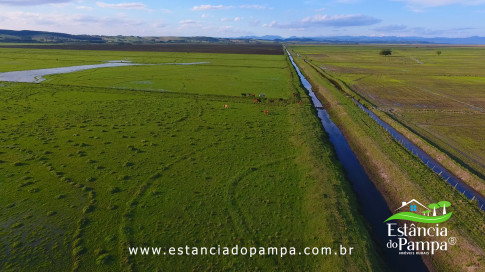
column 37, row 76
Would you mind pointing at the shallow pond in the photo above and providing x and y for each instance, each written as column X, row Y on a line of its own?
column 36, row 76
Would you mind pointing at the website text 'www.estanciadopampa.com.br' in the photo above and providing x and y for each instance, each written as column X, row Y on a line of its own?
column 240, row 251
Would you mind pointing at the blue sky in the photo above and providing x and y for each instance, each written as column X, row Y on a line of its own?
column 227, row 18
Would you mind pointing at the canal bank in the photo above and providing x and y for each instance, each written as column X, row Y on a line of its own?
column 374, row 207
column 399, row 175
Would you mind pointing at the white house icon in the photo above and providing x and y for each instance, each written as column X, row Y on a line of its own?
column 414, row 201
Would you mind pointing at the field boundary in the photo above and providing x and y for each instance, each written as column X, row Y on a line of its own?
column 256, row 49
column 457, row 167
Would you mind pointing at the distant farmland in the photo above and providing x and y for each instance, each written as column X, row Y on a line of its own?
column 440, row 96
column 396, row 172
column 254, row 48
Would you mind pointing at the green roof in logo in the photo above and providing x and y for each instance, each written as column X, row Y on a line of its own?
column 425, row 218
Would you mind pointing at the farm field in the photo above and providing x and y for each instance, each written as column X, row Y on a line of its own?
column 207, row 47
column 440, row 97
column 396, row 172
column 222, row 74
column 96, row 161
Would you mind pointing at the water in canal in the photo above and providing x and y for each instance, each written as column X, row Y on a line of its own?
column 374, row 207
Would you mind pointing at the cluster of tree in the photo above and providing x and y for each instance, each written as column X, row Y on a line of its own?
column 434, row 206
column 388, row 52
column 385, row 52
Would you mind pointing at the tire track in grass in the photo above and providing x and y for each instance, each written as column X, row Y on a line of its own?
column 237, row 217
column 78, row 249
column 126, row 228
column 77, row 242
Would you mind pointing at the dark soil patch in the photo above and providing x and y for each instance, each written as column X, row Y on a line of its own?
column 263, row 49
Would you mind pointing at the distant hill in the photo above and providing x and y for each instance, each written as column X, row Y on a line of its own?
column 37, row 37
column 475, row 40
column 29, row 36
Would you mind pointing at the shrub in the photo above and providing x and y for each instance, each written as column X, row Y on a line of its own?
column 88, row 209
column 78, row 251
column 103, row 259
column 77, row 242
column 114, row 190
column 17, row 225
column 91, row 179
column 51, row 213
column 34, row 190
column 385, row 52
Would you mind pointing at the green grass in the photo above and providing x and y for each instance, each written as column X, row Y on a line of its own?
column 398, row 174
column 442, row 99
column 223, row 74
column 87, row 171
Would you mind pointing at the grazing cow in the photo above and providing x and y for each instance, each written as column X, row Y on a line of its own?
column 265, row 112
column 226, row 106
column 299, row 102
column 253, row 95
column 256, row 100
column 295, row 94
column 243, row 94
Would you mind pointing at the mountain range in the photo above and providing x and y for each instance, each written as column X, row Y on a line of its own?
column 29, row 36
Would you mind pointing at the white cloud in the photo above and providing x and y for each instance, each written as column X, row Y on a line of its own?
column 437, row 3
column 84, row 8
column 347, row 1
column 229, row 31
column 236, row 19
column 160, row 24
column 166, row 11
column 31, row 2
column 403, row 30
column 254, row 22
column 391, row 28
column 211, row 7
column 325, row 20
column 253, row 6
column 136, row 5
column 189, row 24
column 74, row 23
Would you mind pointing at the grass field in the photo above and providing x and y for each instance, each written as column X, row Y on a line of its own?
column 87, row 170
column 441, row 97
column 397, row 173
column 223, row 74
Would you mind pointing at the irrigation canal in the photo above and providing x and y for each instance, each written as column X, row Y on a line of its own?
column 374, row 207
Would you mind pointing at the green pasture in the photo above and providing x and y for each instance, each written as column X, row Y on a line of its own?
column 439, row 96
column 87, row 170
column 223, row 74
